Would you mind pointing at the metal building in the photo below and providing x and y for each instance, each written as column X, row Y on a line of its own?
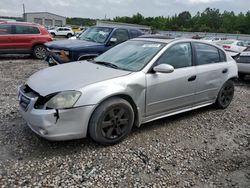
column 45, row 18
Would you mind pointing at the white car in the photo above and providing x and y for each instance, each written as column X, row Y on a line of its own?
column 212, row 39
column 243, row 63
column 62, row 31
column 233, row 46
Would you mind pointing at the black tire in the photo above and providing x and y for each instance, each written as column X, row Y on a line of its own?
column 39, row 52
column 225, row 95
column 241, row 76
column 69, row 35
column 111, row 122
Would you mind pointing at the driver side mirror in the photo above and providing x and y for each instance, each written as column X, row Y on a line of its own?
column 113, row 41
column 164, row 68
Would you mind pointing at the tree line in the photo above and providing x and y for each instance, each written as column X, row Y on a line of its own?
column 210, row 20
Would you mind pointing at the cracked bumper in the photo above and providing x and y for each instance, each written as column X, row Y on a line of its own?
column 71, row 124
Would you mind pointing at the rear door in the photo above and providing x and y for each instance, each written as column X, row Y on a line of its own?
column 6, row 31
column 243, row 63
column 212, row 72
column 170, row 92
column 23, row 37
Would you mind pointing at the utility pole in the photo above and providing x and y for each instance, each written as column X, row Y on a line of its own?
column 24, row 12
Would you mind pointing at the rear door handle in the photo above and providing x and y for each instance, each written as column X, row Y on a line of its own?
column 224, row 71
column 192, row 78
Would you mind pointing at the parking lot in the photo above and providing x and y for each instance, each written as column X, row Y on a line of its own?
column 202, row 148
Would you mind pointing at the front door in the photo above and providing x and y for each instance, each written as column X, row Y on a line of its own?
column 170, row 92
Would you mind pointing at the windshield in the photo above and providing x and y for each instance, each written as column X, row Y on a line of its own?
column 131, row 55
column 96, row 34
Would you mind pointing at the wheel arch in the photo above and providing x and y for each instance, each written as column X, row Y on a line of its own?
column 126, row 98
column 36, row 44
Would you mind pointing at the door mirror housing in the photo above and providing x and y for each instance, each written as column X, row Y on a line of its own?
column 112, row 41
column 164, row 68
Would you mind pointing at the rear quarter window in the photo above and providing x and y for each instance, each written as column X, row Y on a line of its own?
column 222, row 56
column 134, row 33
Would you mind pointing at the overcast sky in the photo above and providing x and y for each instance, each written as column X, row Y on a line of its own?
column 112, row 8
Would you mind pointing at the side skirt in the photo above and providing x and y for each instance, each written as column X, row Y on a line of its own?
column 155, row 117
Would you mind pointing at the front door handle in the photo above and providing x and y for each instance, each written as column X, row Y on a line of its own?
column 224, row 71
column 192, row 78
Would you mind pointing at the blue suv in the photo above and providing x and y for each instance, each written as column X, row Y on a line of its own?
column 88, row 45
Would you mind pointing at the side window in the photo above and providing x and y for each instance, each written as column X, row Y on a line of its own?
column 60, row 29
column 135, row 33
column 121, row 35
column 206, row 54
column 5, row 29
column 240, row 44
column 179, row 55
column 23, row 29
column 222, row 56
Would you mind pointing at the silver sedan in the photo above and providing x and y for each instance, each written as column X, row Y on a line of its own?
column 138, row 81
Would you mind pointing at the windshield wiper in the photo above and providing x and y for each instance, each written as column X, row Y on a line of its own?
column 106, row 64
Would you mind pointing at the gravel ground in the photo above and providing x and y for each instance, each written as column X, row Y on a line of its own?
column 203, row 148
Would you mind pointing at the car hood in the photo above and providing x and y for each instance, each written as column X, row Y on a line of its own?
column 69, row 44
column 71, row 76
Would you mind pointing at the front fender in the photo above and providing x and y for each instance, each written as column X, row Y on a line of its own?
column 132, row 85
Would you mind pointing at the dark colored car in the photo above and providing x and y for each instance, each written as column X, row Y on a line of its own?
column 23, row 38
column 91, row 43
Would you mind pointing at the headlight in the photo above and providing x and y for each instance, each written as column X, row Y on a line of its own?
column 66, row 52
column 65, row 99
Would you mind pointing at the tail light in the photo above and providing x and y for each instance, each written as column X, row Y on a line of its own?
column 226, row 47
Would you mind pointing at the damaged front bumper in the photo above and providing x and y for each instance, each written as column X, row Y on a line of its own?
column 54, row 124
column 56, row 57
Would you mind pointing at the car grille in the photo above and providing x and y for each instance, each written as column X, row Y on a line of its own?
column 25, row 96
column 24, row 102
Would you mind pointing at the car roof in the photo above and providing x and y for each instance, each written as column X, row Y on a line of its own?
column 18, row 23
column 166, row 41
column 120, row 27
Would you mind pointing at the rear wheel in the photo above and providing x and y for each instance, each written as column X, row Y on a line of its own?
column 69, row 35
column 39, row 52
column 241, row 76
column 225, row 95
column 111, row 122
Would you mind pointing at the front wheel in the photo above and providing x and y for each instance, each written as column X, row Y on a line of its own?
column 111, row 122
column 39, row 52
column 225, row 95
